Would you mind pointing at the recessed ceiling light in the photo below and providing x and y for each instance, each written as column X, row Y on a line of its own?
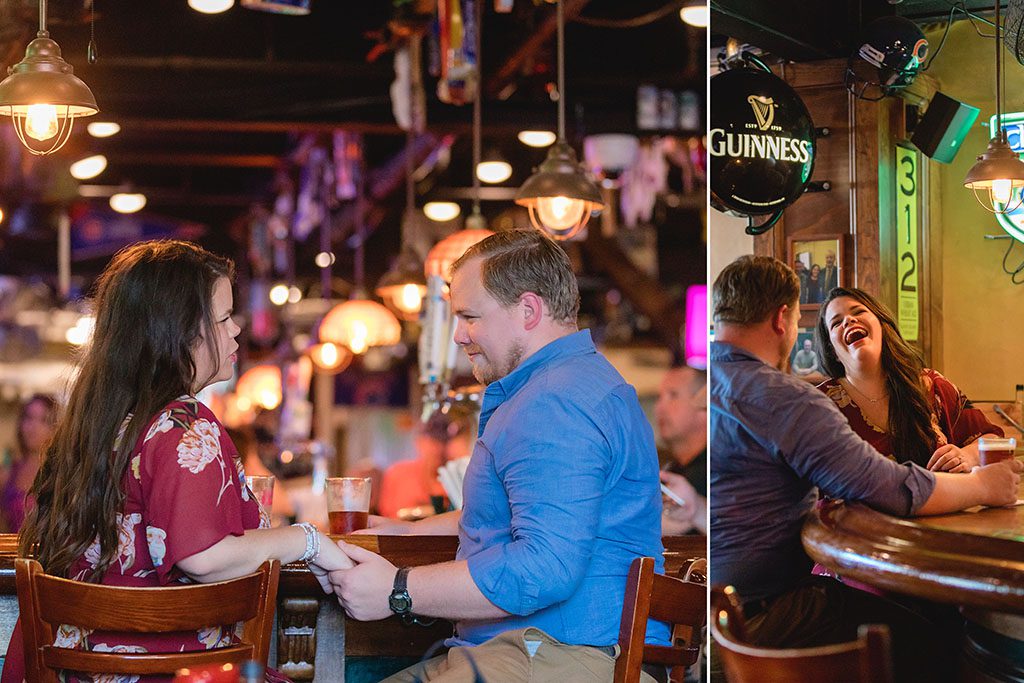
column 537, row 138
column 89, row 167
column 441, row 211
column 211, row 6
column 103, row 129
column 127, row 202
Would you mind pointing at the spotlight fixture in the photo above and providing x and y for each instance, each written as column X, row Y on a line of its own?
column 43, row 96
column 441, row 211
column 103, row 129
column 997, row 177
column 537, row 138
column 127, row 202
column 695, row 13
column 211, row 6
column 89, row 167
column 559, row 195
column 494, row 171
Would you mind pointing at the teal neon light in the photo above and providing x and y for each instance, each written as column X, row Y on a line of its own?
column 1013, row 124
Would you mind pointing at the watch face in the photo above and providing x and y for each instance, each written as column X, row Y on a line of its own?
column 400, row 602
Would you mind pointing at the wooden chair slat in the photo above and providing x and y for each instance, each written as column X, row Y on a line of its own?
column 650, row 595
column 146, row 610
column 45, row 601
column 865, row 660
column 140, row 663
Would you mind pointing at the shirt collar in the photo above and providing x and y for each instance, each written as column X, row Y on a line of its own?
column 575, row 344
column 722, row 351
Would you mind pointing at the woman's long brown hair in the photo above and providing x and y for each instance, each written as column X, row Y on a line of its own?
column 152, row 305
column 910, row 410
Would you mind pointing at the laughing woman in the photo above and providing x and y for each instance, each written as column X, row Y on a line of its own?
column 141, row 485
column 906, row 411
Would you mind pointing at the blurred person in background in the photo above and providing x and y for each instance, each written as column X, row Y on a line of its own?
column 412, row 486
column 681, row 414
column 36, row 422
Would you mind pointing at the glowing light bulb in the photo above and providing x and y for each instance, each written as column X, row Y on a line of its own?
column 560, row 213
column 279, row 295
column 329, row 355
column 211, row 6
column 1002, row 190
column 358, row 342
column 537, row 138
column 41, row 121
column 89, row 167
column 410, row 299
column 127, row 202
column 441, row 211
column 269, row 399
column 494, row 171
column 103, row 129
column 696, row 15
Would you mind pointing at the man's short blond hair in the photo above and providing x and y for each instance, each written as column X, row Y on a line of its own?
column 751, row 289
column 520, row 261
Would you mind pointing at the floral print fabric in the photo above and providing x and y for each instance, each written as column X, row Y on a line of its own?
column 185, row 491
column 953, row 419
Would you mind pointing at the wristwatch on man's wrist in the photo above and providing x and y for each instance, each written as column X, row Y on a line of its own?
column 399, row 600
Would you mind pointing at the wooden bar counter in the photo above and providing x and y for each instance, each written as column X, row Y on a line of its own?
column 314, row 637
column 973, row 559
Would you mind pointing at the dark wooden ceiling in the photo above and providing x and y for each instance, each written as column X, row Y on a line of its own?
column 798, row 30
column 211, row 104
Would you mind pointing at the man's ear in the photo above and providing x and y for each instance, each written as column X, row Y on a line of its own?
column 532, row 307
column 778, row 319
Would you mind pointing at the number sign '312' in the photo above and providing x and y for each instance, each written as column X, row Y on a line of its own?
column 908, row 313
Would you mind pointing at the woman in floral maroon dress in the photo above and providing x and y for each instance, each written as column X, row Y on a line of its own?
column 141, row 485
column 906, row 411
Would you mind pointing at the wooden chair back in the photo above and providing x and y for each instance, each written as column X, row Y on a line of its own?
column 680, row 603
column 867, row 659
column 46, row 602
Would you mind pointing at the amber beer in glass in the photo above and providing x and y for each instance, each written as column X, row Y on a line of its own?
column 348, row 503
column 992, row 449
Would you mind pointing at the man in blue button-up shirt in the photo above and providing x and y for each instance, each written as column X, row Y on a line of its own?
column 561, row 494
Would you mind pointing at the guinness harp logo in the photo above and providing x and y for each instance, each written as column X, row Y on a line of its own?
column 764, row 110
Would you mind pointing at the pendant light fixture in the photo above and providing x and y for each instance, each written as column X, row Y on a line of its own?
column 559, row 195
column 360, row 323
column 997, row 177
column 43, row 96
column 403, row 287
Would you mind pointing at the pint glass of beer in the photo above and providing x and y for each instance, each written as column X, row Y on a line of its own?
column 993, row 449
column 348, row 503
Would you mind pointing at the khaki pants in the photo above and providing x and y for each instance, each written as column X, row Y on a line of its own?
column 507, row 657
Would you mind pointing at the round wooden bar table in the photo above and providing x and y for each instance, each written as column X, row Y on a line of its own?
column 973, row 559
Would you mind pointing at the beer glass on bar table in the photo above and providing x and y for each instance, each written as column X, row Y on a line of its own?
column 262, row 487
column 348, row 503
column 993, row 449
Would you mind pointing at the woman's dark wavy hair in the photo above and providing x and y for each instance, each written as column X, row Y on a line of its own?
column 910, row 421
column 152, row 304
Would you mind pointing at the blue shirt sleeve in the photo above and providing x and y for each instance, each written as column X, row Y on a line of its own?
column 555, row 484
column 818, row 443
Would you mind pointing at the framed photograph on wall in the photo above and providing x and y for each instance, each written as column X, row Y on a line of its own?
column 818, row 262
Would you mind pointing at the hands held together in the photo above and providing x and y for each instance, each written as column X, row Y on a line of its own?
column 361, row 579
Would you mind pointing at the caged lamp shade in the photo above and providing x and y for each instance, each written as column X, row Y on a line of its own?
column 43, row 96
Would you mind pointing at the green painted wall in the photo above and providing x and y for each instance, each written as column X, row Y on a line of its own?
column 982, row 312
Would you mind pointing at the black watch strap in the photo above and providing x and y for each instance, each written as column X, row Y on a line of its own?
column 402, row 580
column 401, row 603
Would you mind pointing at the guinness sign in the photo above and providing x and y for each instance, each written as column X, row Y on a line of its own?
column 761, row 143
